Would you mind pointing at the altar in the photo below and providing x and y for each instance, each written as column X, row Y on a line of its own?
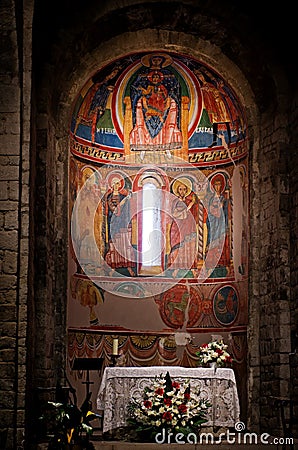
column 121, row 384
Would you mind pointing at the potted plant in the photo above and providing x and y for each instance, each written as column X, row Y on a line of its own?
column 69, row 426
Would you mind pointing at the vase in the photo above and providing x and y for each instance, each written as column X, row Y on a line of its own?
column 213, row 365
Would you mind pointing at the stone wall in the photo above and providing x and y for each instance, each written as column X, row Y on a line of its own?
column 274, row 272
column 49, row 269
column 272, row 268
column 15, row 98
column 293, row 207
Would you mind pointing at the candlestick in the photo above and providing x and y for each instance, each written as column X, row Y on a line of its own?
column 115, row 346
column 113, row 358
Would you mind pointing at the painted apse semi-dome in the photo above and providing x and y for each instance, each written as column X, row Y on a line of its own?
column 158, row 198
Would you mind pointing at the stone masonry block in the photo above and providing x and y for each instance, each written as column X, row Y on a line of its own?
column 11, row 220
column 7, row 355
column 8, row 313
column 6, row 418
column 7, row 343
column 9, row 240
column 9, row 173
column 8, row 329
column 10, row 262
column 10, row 145
column 9, row 160
column 7, row 370
column 10, row 123
column 8, row 297
column 4, row 190
column 8, row 281
column 9, row 99
column 8, row 205
column 6, row 400
column 13, row 190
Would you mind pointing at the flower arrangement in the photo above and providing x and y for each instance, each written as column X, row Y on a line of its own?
column 168, row 405
column 214, row 352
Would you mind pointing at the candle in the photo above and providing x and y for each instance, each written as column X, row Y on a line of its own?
column 115, row 346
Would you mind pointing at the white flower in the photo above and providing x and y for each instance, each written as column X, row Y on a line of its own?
column 195, row 406
column 208, row 353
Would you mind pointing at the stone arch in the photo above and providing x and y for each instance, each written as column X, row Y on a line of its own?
column 116, row 46
column 101, row 57
column 49, row 51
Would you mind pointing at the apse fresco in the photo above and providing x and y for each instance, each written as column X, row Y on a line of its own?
column 155, row 107
column 150, row 350
column 158, row 208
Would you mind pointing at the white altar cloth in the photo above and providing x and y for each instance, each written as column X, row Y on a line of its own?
column 121, row 384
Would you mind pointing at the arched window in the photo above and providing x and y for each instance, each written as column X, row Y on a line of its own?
column 151, row 237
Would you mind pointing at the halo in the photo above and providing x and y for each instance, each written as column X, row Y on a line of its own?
column 146, row 59
column 155, row 72
column 218, row 177
column 182, row 180
column 115, row 177
column 87, row 173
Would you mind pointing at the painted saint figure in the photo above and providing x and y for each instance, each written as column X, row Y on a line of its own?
column 120, row 254
column 217, row 222
column 89, row 219
column 183, row 228
column 94, row 104
column 216, row 107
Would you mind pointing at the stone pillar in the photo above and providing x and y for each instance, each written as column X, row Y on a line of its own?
column 15, row 98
